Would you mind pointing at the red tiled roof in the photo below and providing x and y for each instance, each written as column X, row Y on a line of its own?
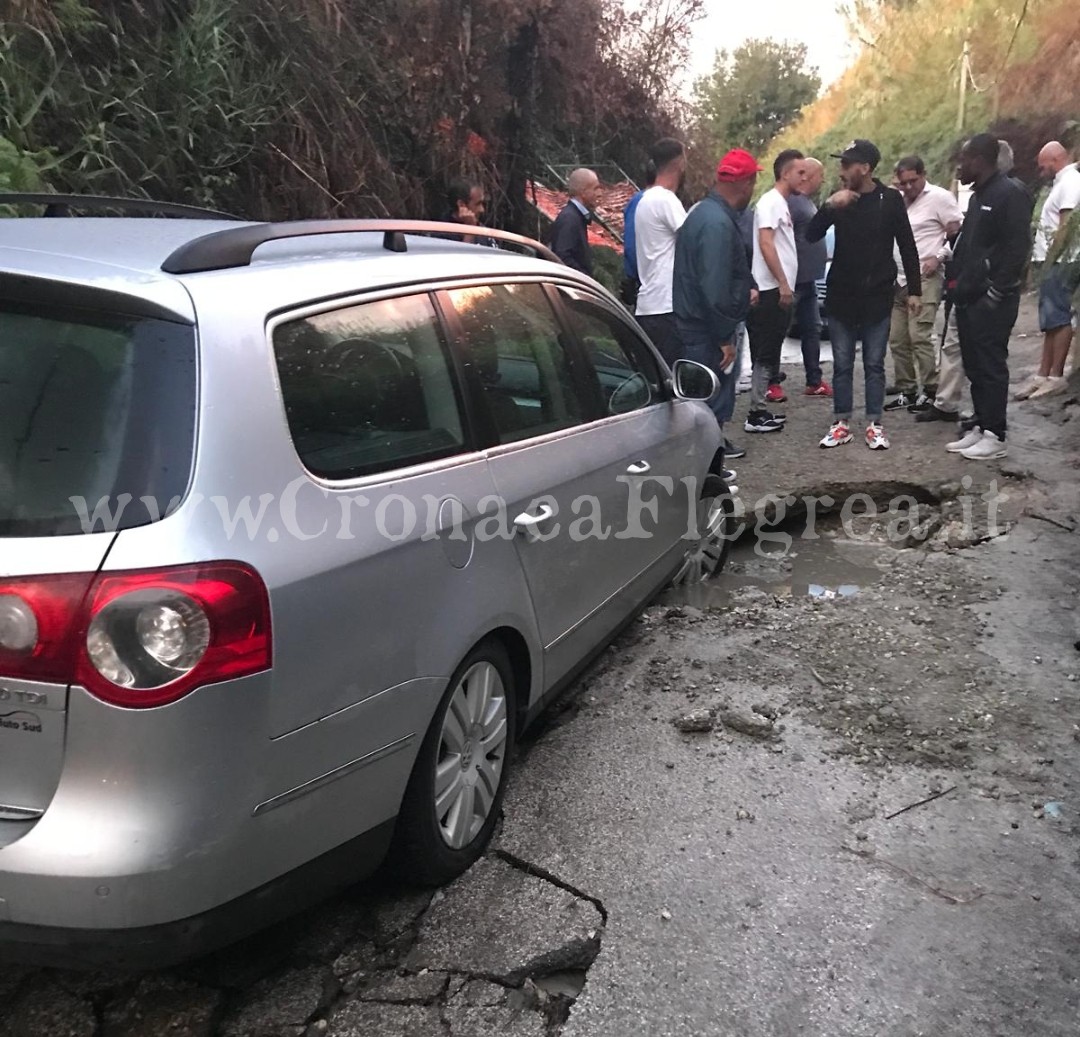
column 613, row 199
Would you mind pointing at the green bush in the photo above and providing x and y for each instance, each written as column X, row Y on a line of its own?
column 19, row 172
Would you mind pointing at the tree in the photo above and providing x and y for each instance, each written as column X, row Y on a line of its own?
column 335, row 107
column 753, row 93
column 650, row 41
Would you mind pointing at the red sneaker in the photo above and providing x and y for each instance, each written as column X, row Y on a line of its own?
column 824, row 389
column 775, row 394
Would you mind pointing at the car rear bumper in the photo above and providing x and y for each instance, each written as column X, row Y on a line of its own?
column 155, row 830
column 158, row 946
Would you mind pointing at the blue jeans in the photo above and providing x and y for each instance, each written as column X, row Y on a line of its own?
column 726, row 399
column 875, row 341
column 701, row 347
column 808, row 328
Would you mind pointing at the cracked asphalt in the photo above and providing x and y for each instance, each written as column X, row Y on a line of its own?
column 771, row 807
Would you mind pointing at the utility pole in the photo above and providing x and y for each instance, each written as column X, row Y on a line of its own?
column 964, row 73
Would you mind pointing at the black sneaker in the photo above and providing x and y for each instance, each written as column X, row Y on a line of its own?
column 778, row 418
column 762, row 421
column 933, row 413
column 733, row 452
column 923, row 402
column 901, row 402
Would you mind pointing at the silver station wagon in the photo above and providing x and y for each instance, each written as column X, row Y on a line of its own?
column 300, row 524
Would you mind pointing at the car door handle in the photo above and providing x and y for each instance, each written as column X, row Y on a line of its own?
column 640, row 468
column 528, row 522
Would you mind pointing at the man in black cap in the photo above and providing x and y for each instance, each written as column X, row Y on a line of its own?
column 869, row 218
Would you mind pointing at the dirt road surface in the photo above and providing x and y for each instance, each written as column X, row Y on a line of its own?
column 838, row 792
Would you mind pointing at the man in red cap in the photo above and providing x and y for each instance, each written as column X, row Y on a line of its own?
column 712, row 280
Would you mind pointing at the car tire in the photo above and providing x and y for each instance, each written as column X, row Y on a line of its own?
column 455, row 792
column 706, row 557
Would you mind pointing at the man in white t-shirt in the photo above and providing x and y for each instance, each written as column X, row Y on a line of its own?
column 1051, row 257
column 775, row 269
column 657, row 220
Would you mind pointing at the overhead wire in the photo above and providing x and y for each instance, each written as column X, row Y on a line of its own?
column 1008, row 53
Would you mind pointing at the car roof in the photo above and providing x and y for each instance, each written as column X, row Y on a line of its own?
column 126, row 254
column 138, row 245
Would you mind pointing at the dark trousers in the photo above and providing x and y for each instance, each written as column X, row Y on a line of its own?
column 767, row 328
column 984, row 330
column 701, row 347
column 808, row 328
column 660, row 327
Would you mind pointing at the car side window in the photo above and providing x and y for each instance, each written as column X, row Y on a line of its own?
column 627, row 372
column 514, row 342
column 369, row 388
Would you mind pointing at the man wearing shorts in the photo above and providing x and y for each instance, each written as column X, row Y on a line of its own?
column 1051, row 256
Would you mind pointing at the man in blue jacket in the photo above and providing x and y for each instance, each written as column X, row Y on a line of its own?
column 570, row 231
column 631, row 282
column 712, row 278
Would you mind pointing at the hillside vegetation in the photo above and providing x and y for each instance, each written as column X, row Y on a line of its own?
column 903, row 90
column 311, row 108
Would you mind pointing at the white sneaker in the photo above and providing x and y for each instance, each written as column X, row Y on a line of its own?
column 838, row 435
column 969, row 439
column 988, row 448
column 1028, row 386
column 1050, row 387
column 876, row 438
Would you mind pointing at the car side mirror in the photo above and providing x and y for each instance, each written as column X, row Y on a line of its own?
column 693, row 381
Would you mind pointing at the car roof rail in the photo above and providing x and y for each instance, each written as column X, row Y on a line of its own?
column 64, row 204
column 235, row 246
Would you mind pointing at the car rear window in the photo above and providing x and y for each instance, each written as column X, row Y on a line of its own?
column 97, row 419
column 369, row 388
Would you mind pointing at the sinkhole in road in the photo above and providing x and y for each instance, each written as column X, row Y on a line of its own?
column 826, row 568
column 833, row 541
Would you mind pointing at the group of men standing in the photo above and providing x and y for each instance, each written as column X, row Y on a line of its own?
column 722, row 275
column 708, row 275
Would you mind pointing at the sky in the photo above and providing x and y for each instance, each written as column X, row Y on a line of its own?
column 813, row 22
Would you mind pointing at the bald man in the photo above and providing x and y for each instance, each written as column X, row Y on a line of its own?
column 570, row 231
column 1050, row 257
column 812, row 258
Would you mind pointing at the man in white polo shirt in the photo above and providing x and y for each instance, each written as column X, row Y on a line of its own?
column 1051, row 256
column 657, row 220
column 775, row 269
column 934, row 216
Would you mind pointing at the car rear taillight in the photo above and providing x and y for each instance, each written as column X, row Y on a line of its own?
column 38, row 621
column 137, row 639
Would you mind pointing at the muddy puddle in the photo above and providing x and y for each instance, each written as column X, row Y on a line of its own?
column 825, row 568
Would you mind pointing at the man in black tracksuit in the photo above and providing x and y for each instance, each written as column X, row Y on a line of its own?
column 859, row 294
column 987, row 273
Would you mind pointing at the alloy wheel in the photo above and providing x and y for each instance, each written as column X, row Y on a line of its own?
column 705, row 557
column 472, row 754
